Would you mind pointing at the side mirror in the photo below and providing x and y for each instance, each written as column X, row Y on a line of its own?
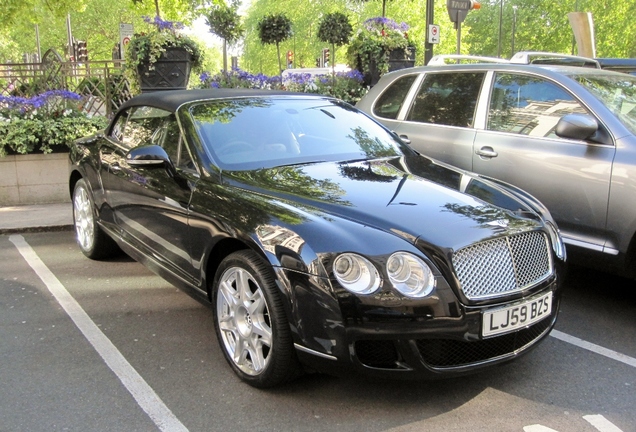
column 577, row 126
column 148, row 156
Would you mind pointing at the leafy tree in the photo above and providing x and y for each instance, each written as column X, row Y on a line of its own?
column 274, row 29
column 335, row 29
column 225, row 22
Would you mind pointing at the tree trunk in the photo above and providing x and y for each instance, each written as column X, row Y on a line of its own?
column 280, row 66
column 224, row 55
column 157, row 8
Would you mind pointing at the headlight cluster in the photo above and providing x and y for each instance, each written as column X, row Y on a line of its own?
column 557, row 241
column 408, row 274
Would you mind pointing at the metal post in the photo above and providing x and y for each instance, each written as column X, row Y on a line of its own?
column 69, row 34
column 500, row 24
column 459, row 37
column 37, row 43
column 514, row 27
column 428, row 47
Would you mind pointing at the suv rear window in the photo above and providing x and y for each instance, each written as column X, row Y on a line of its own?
column 447, row 99
column 389, row 104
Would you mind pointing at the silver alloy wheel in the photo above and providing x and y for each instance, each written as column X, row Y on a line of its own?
column 244, row 321
column 84, row 220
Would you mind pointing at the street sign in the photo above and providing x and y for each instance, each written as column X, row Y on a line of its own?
column 433, row 34
column 458, row 9
column 125, row 33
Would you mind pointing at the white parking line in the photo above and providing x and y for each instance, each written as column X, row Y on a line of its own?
column 614, row 355
column 145, row 396
column 601, row 423
column 537, row 428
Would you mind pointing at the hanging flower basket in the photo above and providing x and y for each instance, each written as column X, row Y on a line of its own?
column 163, row 58
column 381, row 46
column 171, row 71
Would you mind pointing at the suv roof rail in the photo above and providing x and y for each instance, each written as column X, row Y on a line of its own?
column 548, row 58
column 440, row 60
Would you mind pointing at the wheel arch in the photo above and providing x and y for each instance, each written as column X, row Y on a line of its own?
column 217, row 254
column 74, row 177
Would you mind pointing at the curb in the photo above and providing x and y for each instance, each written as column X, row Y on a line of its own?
column 49, row 228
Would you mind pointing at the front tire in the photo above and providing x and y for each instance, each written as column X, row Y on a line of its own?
column 93, row 242
column 250, row 321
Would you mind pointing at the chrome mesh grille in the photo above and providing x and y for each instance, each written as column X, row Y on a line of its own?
column 503, row 265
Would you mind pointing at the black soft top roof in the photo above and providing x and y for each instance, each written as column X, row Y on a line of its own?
column 170, row 100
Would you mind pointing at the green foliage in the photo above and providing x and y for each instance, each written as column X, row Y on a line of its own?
column 149, row 47
column 335, row 29
column 372, row 44
column 274, row 28
column 52, row 122
column 225, row 22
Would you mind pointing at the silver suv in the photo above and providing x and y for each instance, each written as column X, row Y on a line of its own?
column 565, row 134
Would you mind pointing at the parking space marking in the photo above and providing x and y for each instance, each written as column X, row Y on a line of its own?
column 614, row 355
column 601, row 423
column 145, row 396
column 598, row 421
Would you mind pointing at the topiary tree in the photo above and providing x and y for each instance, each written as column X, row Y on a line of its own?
column 336, row 30
column 274, row 29
column 225, row 22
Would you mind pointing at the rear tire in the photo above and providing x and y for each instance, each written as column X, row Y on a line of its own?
column 250, row 321
column 91, row 239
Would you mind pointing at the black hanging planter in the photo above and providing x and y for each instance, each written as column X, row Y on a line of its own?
column 170, row 72
column 401, row 58
column 398, row 58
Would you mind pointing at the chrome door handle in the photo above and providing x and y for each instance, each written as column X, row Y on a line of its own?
column 487, row 152
column 405, row 138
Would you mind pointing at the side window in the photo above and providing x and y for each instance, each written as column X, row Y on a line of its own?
column 144, row 126
column 447, row 99
column 117, row 133
column 390, row 102
column 528, row 105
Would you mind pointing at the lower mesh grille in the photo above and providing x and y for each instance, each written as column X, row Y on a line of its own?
column 377, row 353
column 503, row 265
column 449, row 353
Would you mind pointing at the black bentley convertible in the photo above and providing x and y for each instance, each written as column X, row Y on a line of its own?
column 322, row 241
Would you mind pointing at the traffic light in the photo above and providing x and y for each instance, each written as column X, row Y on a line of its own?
column 81, row 51
column 325, row 57
column 290, row 59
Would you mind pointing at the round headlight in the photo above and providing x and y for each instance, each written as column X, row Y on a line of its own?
column 410, row 275
column 356, row 273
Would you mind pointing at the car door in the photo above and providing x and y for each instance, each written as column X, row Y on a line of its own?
column 519, row 146
column 150, row 202
column 439, row 121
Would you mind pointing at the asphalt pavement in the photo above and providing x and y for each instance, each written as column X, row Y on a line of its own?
column 34, row 218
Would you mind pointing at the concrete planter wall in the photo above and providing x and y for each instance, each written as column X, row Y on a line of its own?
column 34, row 179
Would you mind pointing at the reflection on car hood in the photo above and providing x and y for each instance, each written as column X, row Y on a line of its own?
column 413, row 197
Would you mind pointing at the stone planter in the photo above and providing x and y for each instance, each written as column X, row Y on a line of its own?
column 34, row 179
column 170, row 72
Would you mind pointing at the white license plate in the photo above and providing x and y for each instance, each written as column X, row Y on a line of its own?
column 518, row 315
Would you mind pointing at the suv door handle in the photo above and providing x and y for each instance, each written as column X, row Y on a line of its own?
column 487, row 152
column 405, row 138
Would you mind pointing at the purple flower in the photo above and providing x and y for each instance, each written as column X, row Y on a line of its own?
column 163, row 25
column 379, row 23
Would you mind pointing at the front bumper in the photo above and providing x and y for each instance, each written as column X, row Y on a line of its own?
column 425, row 345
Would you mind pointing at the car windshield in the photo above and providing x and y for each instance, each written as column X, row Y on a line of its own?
column 252, row 133
column 617, row 92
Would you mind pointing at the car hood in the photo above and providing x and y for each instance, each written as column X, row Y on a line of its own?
column 414, row 197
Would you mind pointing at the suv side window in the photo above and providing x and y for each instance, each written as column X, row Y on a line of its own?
column 528, row 105
column 447, row 99
column 390, row 102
